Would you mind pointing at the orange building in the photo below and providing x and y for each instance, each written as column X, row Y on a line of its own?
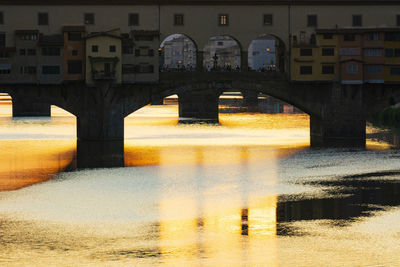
column 350, row 57
column 74, row 53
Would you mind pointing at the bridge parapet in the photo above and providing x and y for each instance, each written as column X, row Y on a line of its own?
column 166, row 77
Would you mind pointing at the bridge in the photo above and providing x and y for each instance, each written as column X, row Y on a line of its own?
column 337, row 112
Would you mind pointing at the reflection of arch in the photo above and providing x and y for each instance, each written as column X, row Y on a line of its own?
column 178, row 52
column 279, row 51
column 229, row 55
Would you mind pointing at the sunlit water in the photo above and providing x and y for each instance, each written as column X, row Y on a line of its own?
column 248, row 192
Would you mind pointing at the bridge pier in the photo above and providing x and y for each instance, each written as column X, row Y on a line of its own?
column 100, row 128
column 342, row 122
column 28, row 107
column 199, row 106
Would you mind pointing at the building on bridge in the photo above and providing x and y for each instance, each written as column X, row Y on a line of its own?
column 350, row 41
column 351, row 56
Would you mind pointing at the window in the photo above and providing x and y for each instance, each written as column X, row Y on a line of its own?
column 1, row 18
column 51, row 51
column 373, row 52
column 74, row 52
column 113, row 48
column 328, row 51
column 373, row 36
column 397, row 52
column 5, row 71
column 304, row 52
column 392, row 36
column 388, row 52
column 352, row 69
column 128, row 68
column 268, row 19
column 223, row 20
column 74, row 36
column 43, row 19
column 395, row 70
column 50, row 70
column 74, row 67
column 305, row 70
column 220, row 43
column 328, row 69
column 31, row 37
column 95, row 48
column 144, row 51
column 313, row 39
column 357, row 20
column 133, row 19
column 31, row 52
column 349, row 37
column 146, row 68
column 2, row 40
column 352, row 51
column 373, row 69
column 312, row 21
column 398, row 20
column 343, row 51
column 328, row 36
column 88, row 19
column 178, row 19
column 144, row 38
column 22, row 52
column 127, row 49
column 28, row 70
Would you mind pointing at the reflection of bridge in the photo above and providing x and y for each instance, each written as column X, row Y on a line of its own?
column 337, row 112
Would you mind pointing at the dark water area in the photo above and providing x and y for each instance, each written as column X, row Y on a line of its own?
column 246, row 192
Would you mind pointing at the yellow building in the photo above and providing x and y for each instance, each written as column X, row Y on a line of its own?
column 316, row 58
column 103, row 57
column 392, row 57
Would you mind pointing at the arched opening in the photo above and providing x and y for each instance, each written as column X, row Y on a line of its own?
column 178, row 53
column 267, row 54
column 222, row 53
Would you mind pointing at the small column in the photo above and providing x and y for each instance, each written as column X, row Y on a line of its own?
column 342, row 123
column 244, row 61
column 199, row 61
column 29, row 107
column 199, row 106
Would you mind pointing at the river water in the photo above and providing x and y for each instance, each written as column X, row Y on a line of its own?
column 247, row 192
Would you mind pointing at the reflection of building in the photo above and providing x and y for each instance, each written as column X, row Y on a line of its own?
column 178, row 52
column 226, row 49
column 262, row 53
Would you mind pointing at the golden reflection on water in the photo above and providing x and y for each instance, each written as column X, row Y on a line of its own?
column 36, row 161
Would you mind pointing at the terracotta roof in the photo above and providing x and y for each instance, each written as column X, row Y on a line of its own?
column 199, row 2
column 76, row 28
column 97, row 34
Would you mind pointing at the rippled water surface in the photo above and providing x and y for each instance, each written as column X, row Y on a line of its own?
column 248, row 192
